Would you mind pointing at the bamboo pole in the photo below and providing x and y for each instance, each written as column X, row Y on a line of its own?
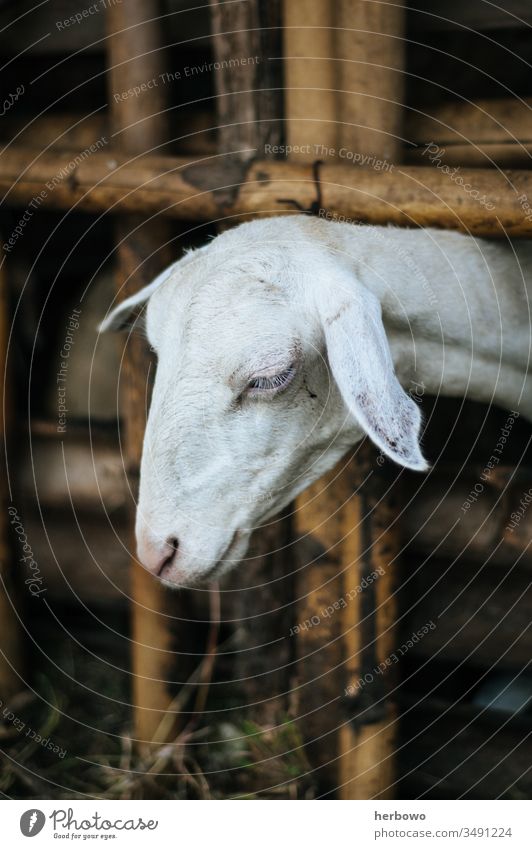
column 343, row 72
column 370, row 53
column 346, row 607
column 497, row 131
column 481, row 201
column 310, row 78
column 351, row 740
column 10, row 636
column 371, row 543
column 140, row 125
column 247, row 43
column 476, row 134
column 487, row 121
column 481, row 155
column 311, row 134
column 319, row 518
column 319, row 523
column 74, row 130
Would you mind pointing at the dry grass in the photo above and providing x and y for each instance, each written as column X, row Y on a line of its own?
column 86, row 715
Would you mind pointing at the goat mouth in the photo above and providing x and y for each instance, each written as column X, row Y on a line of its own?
column 210, row 576
column 167, row 562
column 219, row 566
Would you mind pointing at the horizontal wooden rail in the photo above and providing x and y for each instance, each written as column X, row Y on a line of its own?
column 474, row 154
column 478, row 133
column 481, row 201
column 69, row 130
column 484, row 121
column 481, row 616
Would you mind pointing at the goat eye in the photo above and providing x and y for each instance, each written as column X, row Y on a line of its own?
column 271, row 384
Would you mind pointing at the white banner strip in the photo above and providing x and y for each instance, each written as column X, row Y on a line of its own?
column 259, row 824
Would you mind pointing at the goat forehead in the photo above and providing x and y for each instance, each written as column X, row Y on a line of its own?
column 208, row 293
column 234, row 283
column 221, row 356
column 230, row 311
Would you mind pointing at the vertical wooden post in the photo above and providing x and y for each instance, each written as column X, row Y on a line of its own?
column 366, row 741
column 347, row 615
column 346, row 537
column 370, row 79
column 370, row 48
column 10, row 642
column 133, row 51
column 310, row 77
column 322, row 513
column 249, row 100
column 344, row 82
column 249, row 108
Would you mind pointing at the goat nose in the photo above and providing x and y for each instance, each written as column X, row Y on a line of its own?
column 154, row 554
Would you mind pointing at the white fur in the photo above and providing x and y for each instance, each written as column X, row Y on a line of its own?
column 366, row 313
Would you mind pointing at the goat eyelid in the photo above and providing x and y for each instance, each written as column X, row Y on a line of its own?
column 270, row 384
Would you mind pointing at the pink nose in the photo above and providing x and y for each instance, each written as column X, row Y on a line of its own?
column 155, row 554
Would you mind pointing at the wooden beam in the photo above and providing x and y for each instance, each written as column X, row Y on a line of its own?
column 499, row 120
column 77, row 131
column 481, row 155
column 80, row 466
column 477, row 134
column 484, row 203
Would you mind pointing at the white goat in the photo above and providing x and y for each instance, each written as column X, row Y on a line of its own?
column 285, row 341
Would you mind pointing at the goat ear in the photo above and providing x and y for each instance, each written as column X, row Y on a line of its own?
column 361, row 364
column 120, row 317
